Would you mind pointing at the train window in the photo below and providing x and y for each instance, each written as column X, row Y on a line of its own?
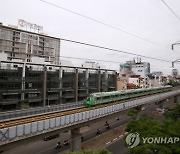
column 98, row 98
column 106, row 97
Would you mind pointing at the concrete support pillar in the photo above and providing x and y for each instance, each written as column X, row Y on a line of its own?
column 75, row 143
column 87, row 81
column 76, row 85
column 44, row 87
column 175, row 99
column 115, row 80
column 60, row 84
column 23, row 81
column 98, row 81
column 161, row 104
column 106, row 81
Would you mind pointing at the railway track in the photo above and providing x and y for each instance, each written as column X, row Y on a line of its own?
column 36, row 118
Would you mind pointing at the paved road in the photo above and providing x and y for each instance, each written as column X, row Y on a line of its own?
column 118, row 147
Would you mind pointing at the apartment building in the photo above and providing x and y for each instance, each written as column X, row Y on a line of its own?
column 22, row 45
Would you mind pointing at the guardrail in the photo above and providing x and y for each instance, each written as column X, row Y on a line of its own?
column 38, row 110
column 23, row 131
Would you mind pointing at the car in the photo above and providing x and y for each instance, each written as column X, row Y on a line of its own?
column 51, row 137
column 66, row 142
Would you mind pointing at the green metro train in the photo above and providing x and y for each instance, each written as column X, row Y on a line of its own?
column 108, row 97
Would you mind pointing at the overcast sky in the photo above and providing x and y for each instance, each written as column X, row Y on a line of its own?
column 149, row 19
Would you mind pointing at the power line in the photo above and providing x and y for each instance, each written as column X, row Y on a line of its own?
column 114, row 50
column 99, row 60
column 171, row 10
column 165, row 11
column 105, row 48
column 103, row 23
column 108, row 61
column 78, row 58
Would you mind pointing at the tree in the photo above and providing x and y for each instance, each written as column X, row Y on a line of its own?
column 132, row 112
column 149, row 127
column 98, row 151
column 173, row 113
column 173, row 83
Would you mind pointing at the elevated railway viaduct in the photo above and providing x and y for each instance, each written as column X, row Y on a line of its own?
column 15, row 133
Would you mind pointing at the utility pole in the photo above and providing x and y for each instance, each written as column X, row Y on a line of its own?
column 177, row 60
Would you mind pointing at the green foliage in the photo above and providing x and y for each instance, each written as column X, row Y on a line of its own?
column 98, row 151
column 173, row 83
column 173, row 113
column 25, row 105
column 149, row 127
column 132, row 112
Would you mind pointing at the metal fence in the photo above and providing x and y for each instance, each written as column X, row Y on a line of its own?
column 38, row 110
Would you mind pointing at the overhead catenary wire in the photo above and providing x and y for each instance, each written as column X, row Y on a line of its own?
column 103, row 23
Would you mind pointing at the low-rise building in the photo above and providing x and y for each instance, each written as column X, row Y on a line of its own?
column 175, row 72
column 121, row 84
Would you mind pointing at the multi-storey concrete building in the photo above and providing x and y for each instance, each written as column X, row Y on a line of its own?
column 135, row 67
column 49, row 84
column 23, row 45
